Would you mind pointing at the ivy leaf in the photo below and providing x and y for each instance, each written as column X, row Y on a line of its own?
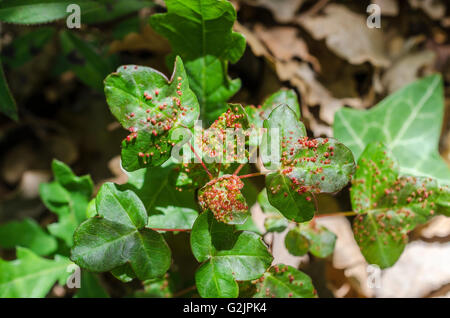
column 284, row 281
column 88, row 65
column 408, row 122
column 30, row 276
column 151, row 107
column 200, row 31
column 257, row 115
column 7, row 102
column 173, row 217
column 118, row 236
column 68, row 197
column 25, row 47
column 29, row 234
column 306, row 166
column 226, row 256
column 223, row 197
column 316, row 239
column 274, row 221
column 389, row 205
column 43, row 11
column 90, row 287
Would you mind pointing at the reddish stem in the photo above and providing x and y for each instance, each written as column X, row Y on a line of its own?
column 201, row 162
column 218, row 169
column 256, row 174
column 238, row 169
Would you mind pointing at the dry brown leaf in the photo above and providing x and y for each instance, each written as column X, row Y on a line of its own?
column 439, row 227
column 435, row 9
column 388, row 7
column 347, row 35
column 62, row 148
column 313, row 94
column 29, row 184
column 283, row 10
column 405, row 70
column 285, row 44
column 253, row 42
column 347, row 255
column 420, row 270
column 119, row 175
column 16, row 161
column 146, row 40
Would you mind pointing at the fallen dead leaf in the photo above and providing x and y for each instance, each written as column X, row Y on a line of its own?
column 313, row 93
column 420, row 270
column 406, row 69
column 146, row 40
column 347, row 255
column 347, row 35
column 435, row 9
column 438, row 226
column 29, row 184
column 282, row 10
column 388, row 7
column 285, row 44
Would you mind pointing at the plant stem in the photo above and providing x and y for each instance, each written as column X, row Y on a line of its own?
column 218, row 169
column 201, row 162
column 242, row 164
column 256, row 174
column 184, row 291
column 346, row 213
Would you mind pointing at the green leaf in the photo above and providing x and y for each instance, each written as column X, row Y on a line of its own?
column 30, row 275
column 7, row 102
column 316, row 239
column 88, row 65
column 43, row 11
column 200, row 31
column 257, row 115
column 151, row 107
column 100, row 11
column 389, row 205
column 68, row 197
column 90, row 287
column 408, row 122
column 124, row 273
column 226, row 256
column 305, row 166
column 29, row 234
column 284, row 281
column 173, row 217
column 156, row 189
column 274, row 221
column 118, row 236
column 223, row 197
column 218, row 154
column 25, row 47
column 33, row 11
column 157, row 288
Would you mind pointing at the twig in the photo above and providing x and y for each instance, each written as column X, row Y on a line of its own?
column 184, row 291
column 201, row 161
column 256, row 174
